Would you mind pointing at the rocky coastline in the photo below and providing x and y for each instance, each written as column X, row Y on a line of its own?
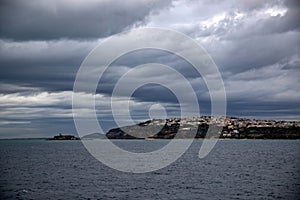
column 197, row 127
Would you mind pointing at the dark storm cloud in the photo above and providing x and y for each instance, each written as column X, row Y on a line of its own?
column 51, row 65
column 282, row 18
column 48, row 64
column 46, row 20
column 239, row 35
column 255, row 52
column 253, row 41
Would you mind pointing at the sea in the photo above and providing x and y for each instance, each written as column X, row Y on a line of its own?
column 234, row 169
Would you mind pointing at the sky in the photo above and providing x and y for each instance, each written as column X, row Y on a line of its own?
column 255, row 45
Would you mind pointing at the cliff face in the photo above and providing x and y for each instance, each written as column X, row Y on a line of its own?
column 149, row 130
column 247, row 133
column 118, row 133
column 271, row 133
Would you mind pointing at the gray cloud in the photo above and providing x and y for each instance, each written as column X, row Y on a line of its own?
column 51, row 65
column 239, row 35
column 46, row 20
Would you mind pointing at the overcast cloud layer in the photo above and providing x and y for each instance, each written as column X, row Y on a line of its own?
column 254, row 43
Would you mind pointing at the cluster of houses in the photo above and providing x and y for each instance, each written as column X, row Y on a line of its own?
column 231, row 125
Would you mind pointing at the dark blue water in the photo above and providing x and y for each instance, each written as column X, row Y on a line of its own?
column 235, row 169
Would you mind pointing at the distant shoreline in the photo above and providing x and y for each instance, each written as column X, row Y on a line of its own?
column 195, row 128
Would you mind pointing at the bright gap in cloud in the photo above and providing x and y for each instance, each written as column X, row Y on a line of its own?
column 6, row 122
column 275, row 11
column 214, row 20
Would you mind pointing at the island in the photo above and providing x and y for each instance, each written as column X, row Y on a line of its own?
column 64, row 137
column 197, row 127
column 93, row 136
